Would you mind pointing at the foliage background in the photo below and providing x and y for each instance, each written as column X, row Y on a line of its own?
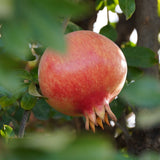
column 27, row 28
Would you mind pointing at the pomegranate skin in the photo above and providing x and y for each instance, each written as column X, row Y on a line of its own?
column 85, row 79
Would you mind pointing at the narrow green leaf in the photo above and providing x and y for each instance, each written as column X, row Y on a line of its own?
column 109, row 32
column 128, row 7
column 117, row 107
column 140, row 57
column 25, row 75
column 32, row 90
column 134, row 73
column 99, row 4
column 28, row 101
column 144, row 92
column 42, row 110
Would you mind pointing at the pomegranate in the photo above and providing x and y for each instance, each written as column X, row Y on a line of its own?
column 84, row 80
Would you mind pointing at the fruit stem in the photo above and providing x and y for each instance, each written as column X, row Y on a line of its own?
column 33, row 63
column 23, row 123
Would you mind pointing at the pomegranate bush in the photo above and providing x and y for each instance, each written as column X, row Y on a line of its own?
column 82, row 82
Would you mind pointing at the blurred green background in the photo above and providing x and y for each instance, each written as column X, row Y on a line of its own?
column 26, row 28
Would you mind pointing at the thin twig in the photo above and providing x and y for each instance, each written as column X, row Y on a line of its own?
column 108, row 16
column 124, row 130
column 23, row 123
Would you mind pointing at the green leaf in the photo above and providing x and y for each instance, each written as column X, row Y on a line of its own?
column 72, row 27
column 42, row 110
column 46, row 30
column 18, row 114
column 99, row 4
column 4, row 92
column 51, row 142
column 117, row 107
column 111, row 5
column 134, row 73
column 32, row 90
column 7, row 131
column 10, row 99
column 140, row 57
column 6, row 101
column 28, row 101
column 15, row 44
column 92, row 148
column 8, row 66
column 31, row 76
column 25, row 75
column 37, row 21
column 128, row 44
column 6, row 9
column 128, row 7
column 147, row 118
column 60, row 145
column 63, row 145
column 109, row 32
column 144, row 92
column 5, row 118
column 11, row 81
column 63, row 8
column 58, row 115
column 40, row 50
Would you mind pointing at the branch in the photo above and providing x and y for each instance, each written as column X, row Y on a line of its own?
column 23, row 123
column 124, row 29
column 147, row 24
column 124, row 130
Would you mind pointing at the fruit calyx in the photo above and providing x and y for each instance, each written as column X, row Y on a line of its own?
column 99, row 115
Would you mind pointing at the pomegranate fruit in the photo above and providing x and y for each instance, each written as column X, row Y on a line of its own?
column 86, row 79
